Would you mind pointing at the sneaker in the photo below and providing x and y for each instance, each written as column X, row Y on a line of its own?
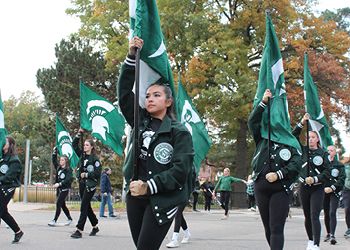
column 327, row 238
column 185, row 240
column 310, row 245
column 77, row 234
column 347, row 234
column 18, row 236
column 333, row 241
column 173, row 244
column 103, row 216
column 113, row 216
column 225, row 217
column 253, row 209
column 68, row 222
column 315, row 247
column 52, row 223
column 94, row 231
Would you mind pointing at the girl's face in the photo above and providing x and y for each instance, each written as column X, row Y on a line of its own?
column 313, row 139
column 157, row 102
column 226, row 172
column 87, row 147
column 5, row 149
column 63, row 162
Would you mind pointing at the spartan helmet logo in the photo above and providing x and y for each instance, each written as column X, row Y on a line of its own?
column 65, row 142
column 188, row 116
column 97, row 110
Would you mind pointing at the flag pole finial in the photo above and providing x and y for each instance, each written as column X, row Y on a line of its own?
column 268, row 12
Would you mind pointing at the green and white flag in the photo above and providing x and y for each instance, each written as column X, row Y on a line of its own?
column 317, row 120
column 2, row 127
column 154, row 63
column 102, row 118
column 271, row 76
column 64, row 143
column 188, row 115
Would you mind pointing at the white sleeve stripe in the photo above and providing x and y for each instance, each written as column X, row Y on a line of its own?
column 261, row 104
column 154, row 185
column 130, row 59
column 150, row 187
column 333, row 187
column 316, row 179
column 300, row 125
column 280, row 174
column 128, row 63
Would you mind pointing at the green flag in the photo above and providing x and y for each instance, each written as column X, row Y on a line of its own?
column 2, row 127
column 102, row 118
column 317, row 120
column 271, row 76
column 154, row 63
column 64, row 143
column 188, row 115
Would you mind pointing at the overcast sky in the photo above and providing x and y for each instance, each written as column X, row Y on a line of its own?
column 31, row 28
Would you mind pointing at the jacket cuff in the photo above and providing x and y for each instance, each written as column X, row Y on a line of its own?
column 152, row 186
column 130, row 60
column 280, row 174
column 263, row 105
column 300, row 125
column 315, row 179
column 333, row 187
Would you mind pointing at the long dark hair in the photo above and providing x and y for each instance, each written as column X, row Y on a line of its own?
column 12, row 150
column 169, row 96
column 93, row 145
column 318, row 137
column 66, row 159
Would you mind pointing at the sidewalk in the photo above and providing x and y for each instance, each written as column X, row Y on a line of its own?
column 243, row 230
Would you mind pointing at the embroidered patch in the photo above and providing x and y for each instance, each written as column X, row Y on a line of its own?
column 335, row 172
column 62, row 176
column 4, row 168
column 285, row 154
column 317, row 160
column 90, row 168
column 163, row 153
column 97, row 164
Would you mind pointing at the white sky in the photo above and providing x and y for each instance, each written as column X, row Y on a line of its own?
column 31, row 28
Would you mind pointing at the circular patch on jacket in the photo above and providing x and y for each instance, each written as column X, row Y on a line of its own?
column 317, row 160
column 285, row 154
column 4, row 168
column 90, row 168
column 335, row 172
column 62, row 176
column 163, row 153
column 97, row 164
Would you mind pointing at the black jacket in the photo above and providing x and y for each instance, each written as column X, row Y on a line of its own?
column 337, row 178
column 105, row 183
column 284, row 160
column 10, row 172
column 64, row 176
column 319, row 165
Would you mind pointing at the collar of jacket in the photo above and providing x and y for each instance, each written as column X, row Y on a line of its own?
column 165, row 126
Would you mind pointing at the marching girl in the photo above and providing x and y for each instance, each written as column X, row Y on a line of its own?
column 164, row 163
column 273, row 177
column 333, row 191
column 313, row 178
column 64, row 179
column 224, row 186
column 88, row 173
column 10, row 171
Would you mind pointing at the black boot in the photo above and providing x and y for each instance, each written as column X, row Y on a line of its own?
column 18, row 236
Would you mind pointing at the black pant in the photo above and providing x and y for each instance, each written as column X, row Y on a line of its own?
column 273, row 203
column 179, row 219
column 207, row 203
column 312, row 201
column 330, row 205
column 346, row 201
column 4, row 213
column 61, row 204
column 146, row 233
column 251, row 201
column 85, row 207
column 224, row 200
column 195, row 200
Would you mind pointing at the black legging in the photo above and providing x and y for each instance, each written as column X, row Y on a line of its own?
column 207, row 203
column 85, row 208
column 4, row 213
column 346, row 200
column 273, row 203
column 146, row 233
column 180, row 220
column 61, row 204
column 312, row 201
column 195, row 200
column 251, row 201
column 330, row 205
column 224, row 200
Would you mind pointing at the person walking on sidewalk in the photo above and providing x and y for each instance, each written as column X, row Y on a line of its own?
column 224, row 186
column 64, row 179
column 10, row 172
column 106, row 193
column 180, row 222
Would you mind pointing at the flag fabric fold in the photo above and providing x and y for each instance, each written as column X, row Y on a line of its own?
column 271, row 76
column 313, row 106
column 101, row 117
column 2, row 127
column 188, row 115
column 64, row 143
column 154, row 63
